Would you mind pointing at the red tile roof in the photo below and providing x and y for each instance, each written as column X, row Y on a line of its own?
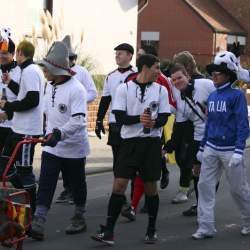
column 216, row 17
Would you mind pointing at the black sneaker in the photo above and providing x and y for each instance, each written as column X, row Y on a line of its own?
column 104, row 236
column 164, row 180
column 63, row 197
column 151, row 237
column 129, row 213
column 192, row 211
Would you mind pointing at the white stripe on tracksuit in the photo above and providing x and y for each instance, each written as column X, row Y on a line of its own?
column 213, row 162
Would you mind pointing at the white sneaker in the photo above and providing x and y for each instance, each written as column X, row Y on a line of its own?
column 180, row 197
column 201, row 236
column 245, row 231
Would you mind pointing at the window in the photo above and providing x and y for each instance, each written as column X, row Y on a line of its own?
column 150, row 38
column 231, row 39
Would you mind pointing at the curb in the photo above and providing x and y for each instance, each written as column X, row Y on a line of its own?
column 101, row 170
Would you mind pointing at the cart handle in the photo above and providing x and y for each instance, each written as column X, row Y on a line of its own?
column 14, row 153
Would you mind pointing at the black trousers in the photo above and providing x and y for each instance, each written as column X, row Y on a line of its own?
column 51, row 166
column 183, row 151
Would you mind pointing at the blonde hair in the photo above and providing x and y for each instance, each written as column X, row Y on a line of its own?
column 186, row 59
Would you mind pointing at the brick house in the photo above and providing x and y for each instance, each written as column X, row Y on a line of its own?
column 202, row 27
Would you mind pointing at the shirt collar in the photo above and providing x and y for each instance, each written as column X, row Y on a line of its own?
column 8, row 67
column 223, row 86
column 26, row 63
column 123, row 70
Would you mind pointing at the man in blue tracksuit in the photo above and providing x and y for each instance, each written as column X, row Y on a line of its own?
column 224, row 142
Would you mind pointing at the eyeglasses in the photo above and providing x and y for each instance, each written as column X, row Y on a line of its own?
column 216, row 74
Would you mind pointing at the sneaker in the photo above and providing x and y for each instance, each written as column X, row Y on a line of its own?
column 104, row 236
column 144, row 209
column 63, row 197
column 37, row 228
column 151, row 237
column 180, row 197
column 129, row 213
column 77, row 225
column 201, row 236
column 245, row 231
column 164, row 180
column 192, row 211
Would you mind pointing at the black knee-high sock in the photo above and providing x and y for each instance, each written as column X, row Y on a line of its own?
column 153, row 206
column 196, row 180
column 16, row 182
column 116, row 202
column 32, row 193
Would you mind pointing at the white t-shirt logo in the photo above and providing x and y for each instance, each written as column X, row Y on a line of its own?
column 62, row 108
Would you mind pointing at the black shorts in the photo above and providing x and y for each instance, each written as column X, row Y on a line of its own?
column 114, row 137
column 141, row 155
column 195, row 149
column 4, row 133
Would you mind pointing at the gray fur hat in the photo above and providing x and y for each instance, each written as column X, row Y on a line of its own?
column 67, row 41
column 57, row 60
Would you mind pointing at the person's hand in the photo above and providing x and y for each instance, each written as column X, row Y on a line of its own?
column 236, row 50
column 2, row 104
column 99, row 128
column 6, row 78
column 235, row 160
column 196, row 170
column 164, row 154
column 3, row 117
column 169, row 146
column 146, row 120
column 199, row 156
column 53, row 138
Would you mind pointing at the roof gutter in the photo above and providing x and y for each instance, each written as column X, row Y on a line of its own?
column 146, row 2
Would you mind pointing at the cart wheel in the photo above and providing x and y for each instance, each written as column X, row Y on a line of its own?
column 8, row 248
column 18, row 246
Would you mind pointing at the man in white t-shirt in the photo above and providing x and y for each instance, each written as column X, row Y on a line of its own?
column 67, row 145
column 27, row 119
column 10, row 74
column 85, row 78
column 124, row 54
column 141, row 106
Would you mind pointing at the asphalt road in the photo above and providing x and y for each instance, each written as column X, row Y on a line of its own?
column 174, row 230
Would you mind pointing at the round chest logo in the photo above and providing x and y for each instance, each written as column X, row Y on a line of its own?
column 62, row 108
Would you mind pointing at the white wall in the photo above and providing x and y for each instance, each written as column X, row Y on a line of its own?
column 20, row 16
column 105, row 23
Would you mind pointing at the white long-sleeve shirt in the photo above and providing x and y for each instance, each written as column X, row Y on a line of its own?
column 84, row 77
column 202, row 90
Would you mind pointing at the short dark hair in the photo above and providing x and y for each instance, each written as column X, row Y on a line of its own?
column 148, row 60
column 178, row 67
column 149, row 49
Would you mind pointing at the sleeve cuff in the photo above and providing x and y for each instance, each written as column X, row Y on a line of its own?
column 239, row 151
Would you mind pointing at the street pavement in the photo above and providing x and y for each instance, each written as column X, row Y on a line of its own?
column 174, row 230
